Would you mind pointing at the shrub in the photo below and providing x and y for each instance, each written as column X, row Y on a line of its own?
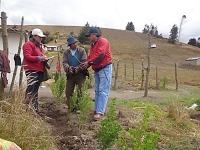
column 109, row 129
column 58, row 87
column 139, row 138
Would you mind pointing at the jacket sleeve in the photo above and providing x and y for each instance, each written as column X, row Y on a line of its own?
column 27, row 52
column 65, row 61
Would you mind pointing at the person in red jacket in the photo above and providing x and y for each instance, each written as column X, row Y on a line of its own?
column 34, row 59
column 101, row 61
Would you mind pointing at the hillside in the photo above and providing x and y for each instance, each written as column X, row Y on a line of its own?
column 131, row 47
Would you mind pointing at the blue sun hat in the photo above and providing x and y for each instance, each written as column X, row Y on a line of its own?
column 71, row 40
column 93, row 30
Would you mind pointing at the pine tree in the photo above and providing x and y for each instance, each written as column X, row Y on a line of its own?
column 146, row 29
column 81, row 37
column 173, row 34
column 130, row 26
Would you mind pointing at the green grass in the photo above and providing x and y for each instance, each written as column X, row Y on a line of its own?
column 168, row 115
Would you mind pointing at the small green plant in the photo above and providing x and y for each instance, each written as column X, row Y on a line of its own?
column 198, row 103
column 165, row 82
column 81, row 100
column 140, row 137
column 55, row 76
column 89, row 82
column 58, row 87
column 122, row 143
column 84, row 103
column 109, row 129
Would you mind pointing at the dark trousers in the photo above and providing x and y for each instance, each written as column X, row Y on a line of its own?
column 34, row 79
column 72, row 81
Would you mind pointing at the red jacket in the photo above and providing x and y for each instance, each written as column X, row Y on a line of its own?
column 100, row 54
column 31, row 51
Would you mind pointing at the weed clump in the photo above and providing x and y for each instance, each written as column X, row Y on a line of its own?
column 20, row 124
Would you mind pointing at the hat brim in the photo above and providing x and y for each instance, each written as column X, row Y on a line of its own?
column 72, row 43
column 87, row 34
column 42, row 35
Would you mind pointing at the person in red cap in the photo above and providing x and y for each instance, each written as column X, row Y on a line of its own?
column 34, row 59
column 101, row 61
column 72, row 58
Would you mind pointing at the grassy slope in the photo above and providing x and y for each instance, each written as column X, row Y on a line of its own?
column 131, row 47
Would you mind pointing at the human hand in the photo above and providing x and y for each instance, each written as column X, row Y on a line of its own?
column 77, row 69
column 70, row 70
column 43, row 58
column 84, row 65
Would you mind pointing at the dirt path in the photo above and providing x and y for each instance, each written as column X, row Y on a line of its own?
column 119, row 94
column 66, row 128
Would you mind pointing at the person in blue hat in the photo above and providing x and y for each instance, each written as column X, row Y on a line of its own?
column 72, row 58
column 101, row 61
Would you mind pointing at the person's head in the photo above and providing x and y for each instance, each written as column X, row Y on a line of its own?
column 93, row 34
column 37, row 35
column 72, row 42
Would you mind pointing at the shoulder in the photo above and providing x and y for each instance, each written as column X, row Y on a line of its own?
column 28, row 44
column 66, row 51
column 81, row 49
column 103, row 41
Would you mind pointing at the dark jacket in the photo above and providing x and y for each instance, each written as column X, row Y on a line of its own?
column 66, row 58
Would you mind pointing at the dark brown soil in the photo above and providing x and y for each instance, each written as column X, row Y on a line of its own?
column 65, row 126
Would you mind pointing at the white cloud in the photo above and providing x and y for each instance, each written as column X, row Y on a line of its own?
column 108, row 14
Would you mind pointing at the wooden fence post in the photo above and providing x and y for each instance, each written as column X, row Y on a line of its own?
column 5, row 46
column 133, row 71
column 22, row 67
column 19, row 51
column 156, row 77
column 116, row 75
column 142, row 83
column 176, row 79
column 125, row 70
column 113, row 66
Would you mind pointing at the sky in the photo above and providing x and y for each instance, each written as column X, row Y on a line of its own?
column 112, row 14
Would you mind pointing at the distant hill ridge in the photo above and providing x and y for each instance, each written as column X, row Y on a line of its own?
column 132, row 46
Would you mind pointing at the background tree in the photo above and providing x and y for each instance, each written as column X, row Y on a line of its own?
column 153, row 30
column 48, row 38
column 180, row 28
column 81, row 37
column 173, row 34
column 146, row 29
column 198, row 42
column 192, row 42
column 130, row 26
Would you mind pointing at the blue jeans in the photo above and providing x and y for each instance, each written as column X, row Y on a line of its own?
column 102, row 88
column 34, row 79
